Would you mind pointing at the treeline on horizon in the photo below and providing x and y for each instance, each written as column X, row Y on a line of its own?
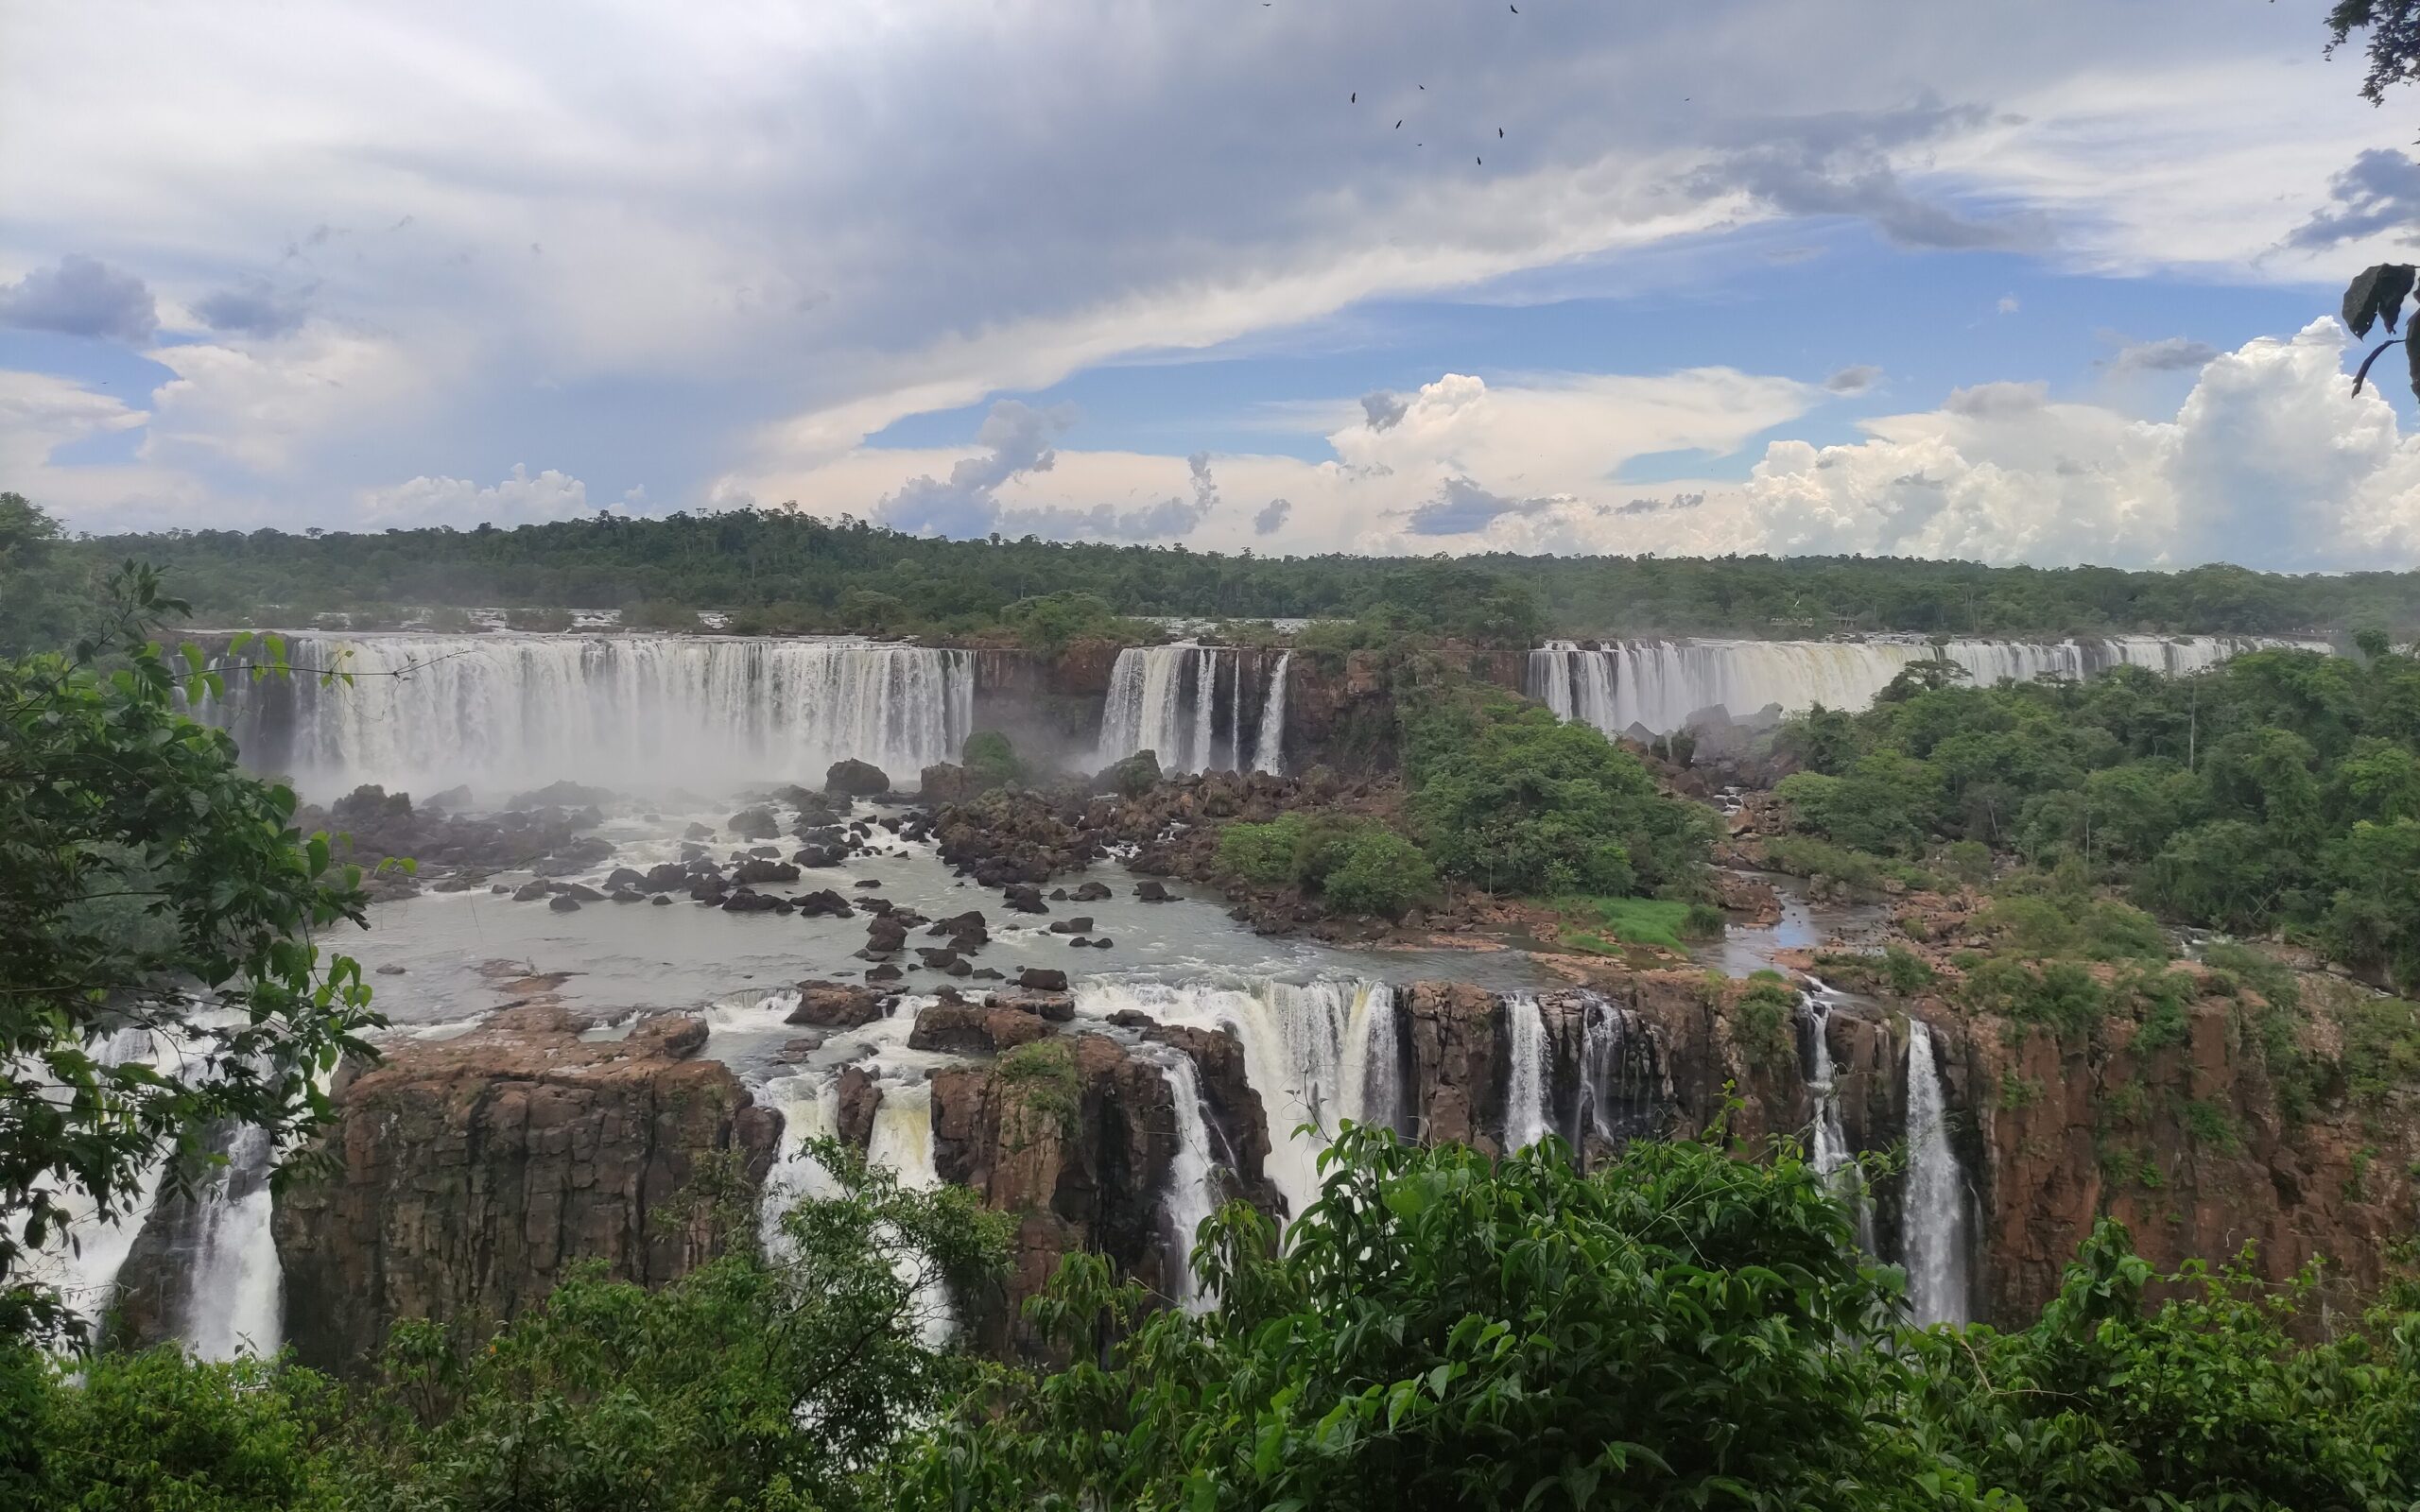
column 794, row 572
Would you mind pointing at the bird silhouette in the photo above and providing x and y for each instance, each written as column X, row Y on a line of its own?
column 1398, row 126
column 1481, row 161
column 1500, row 132
column 1354, row 99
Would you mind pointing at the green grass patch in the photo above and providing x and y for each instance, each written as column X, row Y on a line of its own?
column 1603, row 926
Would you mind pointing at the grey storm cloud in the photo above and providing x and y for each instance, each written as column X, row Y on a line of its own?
column 1837, row 163
column 1384, row 410
column 256, row 310
column 81, row 296
column 1853, row 380
column 1017, row 439
column 1462, row 507
column 2167, row 355
column 1164, row 519
column 1272, row 516
column 1994, row 400
column 2380, row 192
column 1650, row 506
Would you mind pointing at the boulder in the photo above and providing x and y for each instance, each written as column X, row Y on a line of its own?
column 622, row 877
column 966, row 1029
column 747, row 902
column 1043, row 979
column 756, row 869
column 1151, row 890
column 755, row 824
column 1091, row 892
column 856, row 779
column 529, row 892
column 835, row 1005
column 1025, row 898
column 563, row 903
column 1081, row 924
column 824, row 904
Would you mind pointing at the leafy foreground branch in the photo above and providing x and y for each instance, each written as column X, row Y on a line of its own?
column 1680, row 1329
column 159, row 975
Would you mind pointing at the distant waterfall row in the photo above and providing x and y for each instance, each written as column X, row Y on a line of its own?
column 1656, row 686
column 502, row 711
column 1198, row 708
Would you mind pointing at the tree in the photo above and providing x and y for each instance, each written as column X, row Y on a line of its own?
column 1680, row 1329
column 36, row 603
column 2393, row 45
column 153, row 897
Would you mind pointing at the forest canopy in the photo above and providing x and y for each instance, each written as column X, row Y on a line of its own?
column 792, row 572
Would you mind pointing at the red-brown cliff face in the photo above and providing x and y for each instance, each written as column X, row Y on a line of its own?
column 2194, row 1145
column 471, row 1172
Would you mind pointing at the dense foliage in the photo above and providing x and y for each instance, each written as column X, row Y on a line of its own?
column 2278, row 791
column 769, row 1380
column 1357, row 867
column 1509, row 799
column 1679, row 1328
column 796, row 572
column 149, row 891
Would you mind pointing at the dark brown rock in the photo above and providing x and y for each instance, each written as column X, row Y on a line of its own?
column 835, row 1005
column 471, row 1172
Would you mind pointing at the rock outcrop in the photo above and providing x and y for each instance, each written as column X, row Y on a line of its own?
column 470, row 1173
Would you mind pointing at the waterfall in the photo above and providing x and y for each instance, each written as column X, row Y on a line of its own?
column 1657, row 685
column 1193, row 1175
column 1623, row 1094
column 236, row 1299
column 1270, row 757
column 810, row 1109
column 903, row 1143
column 520, row 710
column 1933, row 1243
column 1314, row 1053
column 1834, row 1161
column 1187, row 704
column 1531, row 1070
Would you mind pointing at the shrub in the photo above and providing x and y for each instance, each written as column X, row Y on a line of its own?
column 1762, row 1023
column 1374, row 870
column 2060, row 995
column 991, row 761
column 1265, row 855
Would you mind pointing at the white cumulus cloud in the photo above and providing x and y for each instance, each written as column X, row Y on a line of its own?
column 520, row 498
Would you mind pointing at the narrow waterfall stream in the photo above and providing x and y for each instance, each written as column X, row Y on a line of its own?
column 1270, row 757
column 1832, row 1156
column 1193, row 1176
column 903, row 1142
column 236, row 1301
column 1935, row 1244
column 1525, row 1118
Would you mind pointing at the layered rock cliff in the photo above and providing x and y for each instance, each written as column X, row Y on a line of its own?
column 470, row 1173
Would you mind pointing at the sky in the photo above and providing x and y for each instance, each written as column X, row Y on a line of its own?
column 2036, row 280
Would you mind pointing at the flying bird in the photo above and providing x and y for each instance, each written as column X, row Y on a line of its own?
column 1398, row 126
column 1481, row 161
column 1354, row 99
column 1500, row 132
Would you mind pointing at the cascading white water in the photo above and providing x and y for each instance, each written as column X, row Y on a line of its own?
column 1834, row 1161
column 1193, row 1176
column 236, row 1299
column 1933, row 1242
column 903, row 1142
column 1270, row 757
column 1526, row 1120
column 81, row 1260
column 1314, row 1053
column 1623, row 1092
column 1191, row 706
column 1656, row 685
column 810, row 1107
column 520, row 710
